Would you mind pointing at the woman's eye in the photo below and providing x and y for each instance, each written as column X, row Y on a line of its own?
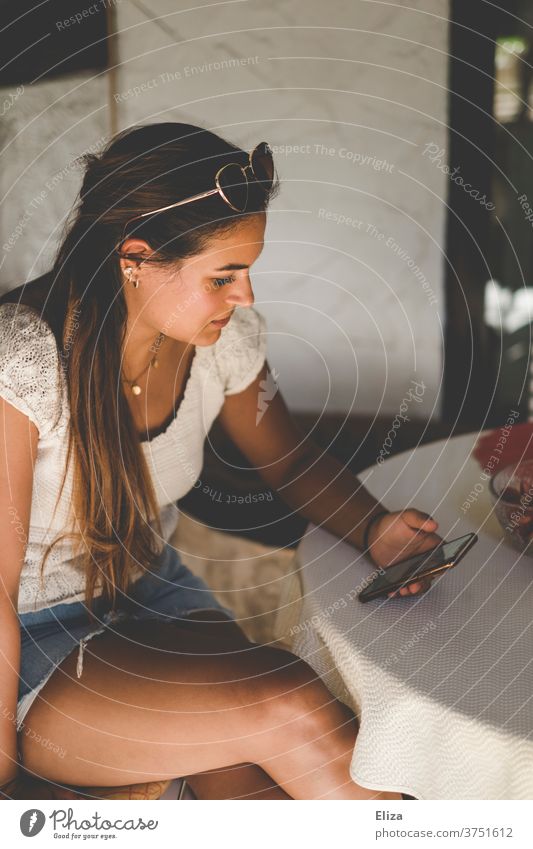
column 221, row 281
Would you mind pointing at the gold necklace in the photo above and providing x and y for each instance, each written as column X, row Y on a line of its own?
column 134, row 386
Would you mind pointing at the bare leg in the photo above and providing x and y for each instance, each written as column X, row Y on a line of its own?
column 230, row 783
column 243, row 781
column 156, row 701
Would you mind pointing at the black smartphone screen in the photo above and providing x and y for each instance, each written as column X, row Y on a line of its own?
column 408, row 570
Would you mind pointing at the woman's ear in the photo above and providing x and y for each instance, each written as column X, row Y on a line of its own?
column 132, row 249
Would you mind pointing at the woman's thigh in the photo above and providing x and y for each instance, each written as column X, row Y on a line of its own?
column 155, row 701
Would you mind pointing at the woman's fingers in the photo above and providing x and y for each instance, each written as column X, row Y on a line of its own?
column 425, row 541
column 419, row 520
column 411, row 589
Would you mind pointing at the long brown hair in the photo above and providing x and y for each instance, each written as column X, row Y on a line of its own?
column 140, row 169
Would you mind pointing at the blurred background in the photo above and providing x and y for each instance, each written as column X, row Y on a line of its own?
column 399, row 250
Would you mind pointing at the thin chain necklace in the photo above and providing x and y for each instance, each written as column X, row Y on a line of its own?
column 133, row 384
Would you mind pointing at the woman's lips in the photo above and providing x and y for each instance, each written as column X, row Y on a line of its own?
column 221, row 322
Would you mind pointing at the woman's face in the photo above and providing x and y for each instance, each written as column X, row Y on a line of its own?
column 183, row 303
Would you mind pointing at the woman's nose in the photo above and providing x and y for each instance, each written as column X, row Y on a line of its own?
column 240, row 292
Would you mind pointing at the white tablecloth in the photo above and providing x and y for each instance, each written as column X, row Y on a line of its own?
column 442, row 683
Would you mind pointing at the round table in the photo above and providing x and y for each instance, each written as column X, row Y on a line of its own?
column 442, row 683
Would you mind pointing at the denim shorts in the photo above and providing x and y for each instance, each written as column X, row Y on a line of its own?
column 169, row 591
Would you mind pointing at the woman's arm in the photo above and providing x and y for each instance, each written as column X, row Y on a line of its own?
column 318, row 487
column 18, row 450
column 9, row 667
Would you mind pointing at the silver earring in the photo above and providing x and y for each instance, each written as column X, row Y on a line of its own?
column 128, row 272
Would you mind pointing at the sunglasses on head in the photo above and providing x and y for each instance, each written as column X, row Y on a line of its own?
column 231, row 183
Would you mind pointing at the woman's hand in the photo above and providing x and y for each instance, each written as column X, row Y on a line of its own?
column 397, row 536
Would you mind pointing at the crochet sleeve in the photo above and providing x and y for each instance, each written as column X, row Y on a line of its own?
column 241, row 349
column 29, row 365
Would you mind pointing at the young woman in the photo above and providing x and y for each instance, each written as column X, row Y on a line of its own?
column 113, row 367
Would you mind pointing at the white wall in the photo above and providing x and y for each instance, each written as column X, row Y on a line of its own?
column 42, row 132
column 350, row 323
column 361, row 85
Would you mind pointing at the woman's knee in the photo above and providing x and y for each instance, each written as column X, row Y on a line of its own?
column 289, row 689
column 288, row 706
column 309, row 709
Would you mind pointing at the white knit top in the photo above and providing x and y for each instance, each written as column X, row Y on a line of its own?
column 31, row 381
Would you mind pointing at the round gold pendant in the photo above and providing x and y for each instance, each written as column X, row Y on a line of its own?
column 136, row 389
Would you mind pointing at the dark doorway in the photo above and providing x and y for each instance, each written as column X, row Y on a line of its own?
column 489, row 236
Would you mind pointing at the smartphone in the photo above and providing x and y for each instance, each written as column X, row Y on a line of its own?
column 445, row 556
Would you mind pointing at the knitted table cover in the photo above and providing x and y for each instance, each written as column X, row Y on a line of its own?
column 442, row 683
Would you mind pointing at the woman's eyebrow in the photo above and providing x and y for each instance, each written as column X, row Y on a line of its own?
column 232, row 266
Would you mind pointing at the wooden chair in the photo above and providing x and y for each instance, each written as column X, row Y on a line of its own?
column 36, row 788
